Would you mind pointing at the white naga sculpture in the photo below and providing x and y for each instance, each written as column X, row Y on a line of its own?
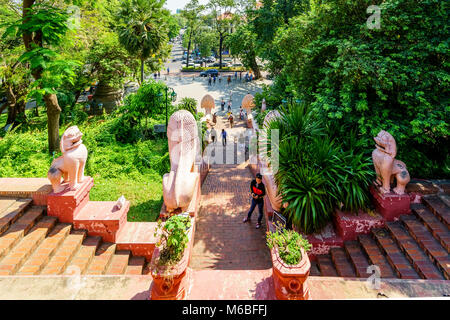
column 179, row 185
column 268, row 177
column 208, row 104
column 248, row 104
column 386, row 166
column 71, row 164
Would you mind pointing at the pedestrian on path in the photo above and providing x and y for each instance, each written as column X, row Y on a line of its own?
column 214, row 79
column 209, row 81
column 229, row 105
column 229, row 80
column 222, row 105
column 258, row 191
column 213, row 135
column 231, row 119
column 220, row 79
column 241, row 113
column 224, row 137
column 168, row 70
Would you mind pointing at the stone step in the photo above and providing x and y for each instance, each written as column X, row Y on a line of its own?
column 314, row 271
column 342, row 264
column 135, row 266
column 102, row 259
column 439, row 208
column 326, row 265
column 376, row 256
column 428, row 243
column 119, row 262
column 102, row 218
column 357, row 258
column 18, row 255
column 19, row 229
column 10, row 210
column 45, row 251
column 418, row 259
column 60, row 260
column 84, row 256
column 394, row 255
column 138, row 237
column 433, row 224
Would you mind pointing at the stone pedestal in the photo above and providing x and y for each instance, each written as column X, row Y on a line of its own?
column 349, row 225
column 290, row 282
column 390, row 205
column 102, row 218
column 67, row 204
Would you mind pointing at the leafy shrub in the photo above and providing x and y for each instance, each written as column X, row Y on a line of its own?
column 395, row 78
column 289, row 244
column 173, row 239
column 316, row 174
column 189, row 104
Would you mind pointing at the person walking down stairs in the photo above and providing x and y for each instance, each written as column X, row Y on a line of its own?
column 258, row 191
column 224, row 137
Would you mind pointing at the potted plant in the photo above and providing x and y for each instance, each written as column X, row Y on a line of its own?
column 290, row 264
column 171, row 258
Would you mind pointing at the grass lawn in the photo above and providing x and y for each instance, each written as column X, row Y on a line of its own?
column 133, row 170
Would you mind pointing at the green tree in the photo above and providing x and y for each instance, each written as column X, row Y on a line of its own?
column 43, row 28
column 223, row 20
column 394, row 78
column 191, row 14
column 242, row 44
column 142, row 28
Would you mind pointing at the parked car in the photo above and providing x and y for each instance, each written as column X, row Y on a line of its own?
column 197, row 65
column 191, row 64
column 210, row 59
column 237, row 64
column 217, row 64
column 210, row 72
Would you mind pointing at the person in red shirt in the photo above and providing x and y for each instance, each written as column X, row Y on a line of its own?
column 258, row 191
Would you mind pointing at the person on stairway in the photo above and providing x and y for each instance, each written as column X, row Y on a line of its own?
column 258, row 191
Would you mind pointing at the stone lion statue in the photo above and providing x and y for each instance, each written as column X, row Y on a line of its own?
column 69, row 166
column 179, row 185
column 386, row 166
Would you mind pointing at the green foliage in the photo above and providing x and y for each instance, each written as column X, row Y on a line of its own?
column 189, row 104
column 109, row 62
column 394, row 78
column 144, row 107
column 133, row 170
column 289, row 244
column 316, row 174
column 173, row 238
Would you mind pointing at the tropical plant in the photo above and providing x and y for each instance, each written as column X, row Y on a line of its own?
column 173, row 238
column 316, row 174
column 189, row 104
column 289, row 244
column 142, row 28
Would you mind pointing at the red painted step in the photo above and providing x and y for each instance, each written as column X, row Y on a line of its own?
column 428, row 243
column 326, row 266
column 102, row 259
column 135, row 266
column 138, row 237
column 376, row 256
column 102, row 218
column 357, row 258
column 420, row 261
column 119, row 262
column 433, row 224
column 394, row 255
column 343, row 266
column 438, row 207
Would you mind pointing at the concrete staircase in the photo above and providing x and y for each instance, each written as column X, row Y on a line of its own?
column 99, row 241
column 414, row 247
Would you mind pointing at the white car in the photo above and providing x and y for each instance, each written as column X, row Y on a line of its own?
column 197, row 65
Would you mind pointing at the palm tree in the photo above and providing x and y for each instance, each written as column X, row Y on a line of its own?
column 142, row 28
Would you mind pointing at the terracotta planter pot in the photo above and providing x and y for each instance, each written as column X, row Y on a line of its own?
column 172, row 284
column 290, row 280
